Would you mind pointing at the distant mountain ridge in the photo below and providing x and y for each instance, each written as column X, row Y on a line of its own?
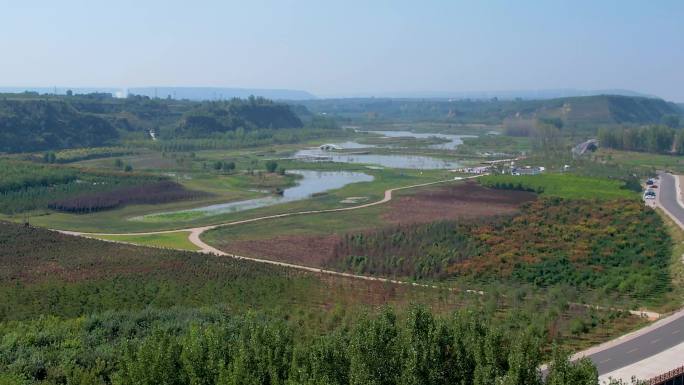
column 579, row 110
column 190, row 93
column 219, row 93
column 223, row 93
column 501, row 94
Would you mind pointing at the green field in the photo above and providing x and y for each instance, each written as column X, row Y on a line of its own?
column 496, row 290
column 118, row 220
column 673, row 163
column 103, row 298
column 194, row 170
column 562, row 185
column 177, row 240
column 314, row 224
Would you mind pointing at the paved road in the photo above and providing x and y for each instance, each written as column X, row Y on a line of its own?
column 658, row 337
column 641, row 345
column 667, row 196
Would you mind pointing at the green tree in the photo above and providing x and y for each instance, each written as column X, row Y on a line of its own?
column 679, row 142
column 373, row 351
column 228, row 166
column 49, row 157
column 263, row 354
column 523, row 361
column 490, row 359
column 563, row 372
column 670, row 120
column 323, row 362
column 155, row 361
column 271, row 165
column 204, row 354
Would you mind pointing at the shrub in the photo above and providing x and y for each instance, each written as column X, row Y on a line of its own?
column 271, row 165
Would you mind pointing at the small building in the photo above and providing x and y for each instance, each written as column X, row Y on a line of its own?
column 474, row 170
column 527, row 170
column 590, row 145
column 330, row 147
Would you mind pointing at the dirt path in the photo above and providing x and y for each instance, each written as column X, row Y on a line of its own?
column 196, row 232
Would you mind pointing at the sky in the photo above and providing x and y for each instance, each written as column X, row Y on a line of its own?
column 348, row 47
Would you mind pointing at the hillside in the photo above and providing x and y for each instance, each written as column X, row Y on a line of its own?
column 36, row 125
column 583, row 110
column 607, row 109
column 220, row 117
column 31, row 122
column 82, row 311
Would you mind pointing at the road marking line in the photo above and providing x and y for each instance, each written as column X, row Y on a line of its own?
column 656, row 341
column 633, row 350
column 676, row 331
column 604, row 361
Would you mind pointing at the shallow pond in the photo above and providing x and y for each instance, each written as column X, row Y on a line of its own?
column 453, row 140
column 312, row 182
column 391, row 161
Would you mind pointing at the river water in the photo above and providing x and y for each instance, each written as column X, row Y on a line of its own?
column 390, row 160
column 310, row 183
column 316, row 182
column 453, row 140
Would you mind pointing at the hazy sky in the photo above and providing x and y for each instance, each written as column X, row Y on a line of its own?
column 347, row 47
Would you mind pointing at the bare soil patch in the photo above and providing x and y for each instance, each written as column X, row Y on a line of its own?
column 463, row 201
column 299, row 249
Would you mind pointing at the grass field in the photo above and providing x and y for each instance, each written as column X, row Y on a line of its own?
column 496, row 144
column 71, row 276
column 672, row 163
column 194, row 170
column 118, row 220
column 178, row 240
column 562, row 185
column 315, row 224
column 74, row 277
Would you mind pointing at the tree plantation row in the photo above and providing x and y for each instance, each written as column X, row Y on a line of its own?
column 614, row 246
column 213, row 347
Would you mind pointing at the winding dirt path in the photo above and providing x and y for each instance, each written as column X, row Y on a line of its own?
column 195, row 234
column 200, row 229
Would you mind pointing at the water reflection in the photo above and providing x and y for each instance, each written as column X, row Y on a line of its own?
column 312, row 182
